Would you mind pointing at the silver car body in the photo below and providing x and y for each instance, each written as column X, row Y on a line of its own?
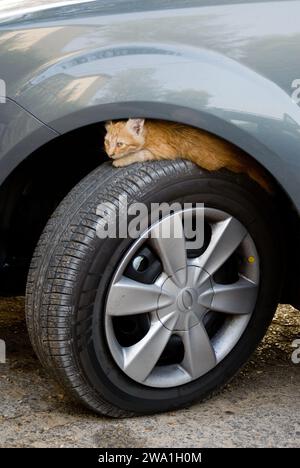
column 229, row 67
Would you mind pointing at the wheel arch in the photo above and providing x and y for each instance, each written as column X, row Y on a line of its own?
column 41, row 135
column 73, row 135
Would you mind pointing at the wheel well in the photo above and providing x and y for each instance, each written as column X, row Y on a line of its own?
column 32, row 192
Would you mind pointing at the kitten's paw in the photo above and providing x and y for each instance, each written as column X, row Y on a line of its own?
column 120, row 163
column 117, row 163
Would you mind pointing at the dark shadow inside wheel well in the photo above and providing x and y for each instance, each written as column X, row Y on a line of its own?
column 32, row 192
column 35, row 188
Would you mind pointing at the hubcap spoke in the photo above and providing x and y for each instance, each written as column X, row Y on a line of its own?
column 226, row 237
column 129, row 297
column 236, row 298
column 167, row 239
column 199, row 355
column 140, row 359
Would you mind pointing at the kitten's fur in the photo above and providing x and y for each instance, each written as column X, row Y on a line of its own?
column 137, row 140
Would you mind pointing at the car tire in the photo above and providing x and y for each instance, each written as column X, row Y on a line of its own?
column 72, row 271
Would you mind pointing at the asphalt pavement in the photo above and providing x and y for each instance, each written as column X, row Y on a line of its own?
column 259, row 408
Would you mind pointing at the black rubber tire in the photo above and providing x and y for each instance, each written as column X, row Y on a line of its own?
column 71, row 270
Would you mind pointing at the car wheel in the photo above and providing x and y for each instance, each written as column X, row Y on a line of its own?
column 145, row 325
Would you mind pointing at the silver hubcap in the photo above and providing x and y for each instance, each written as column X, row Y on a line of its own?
column 180, row 300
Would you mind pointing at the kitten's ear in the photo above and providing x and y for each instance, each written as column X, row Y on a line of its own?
column 108, row 125
column 136, row 126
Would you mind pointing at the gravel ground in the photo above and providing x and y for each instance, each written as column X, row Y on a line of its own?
column 260, row 407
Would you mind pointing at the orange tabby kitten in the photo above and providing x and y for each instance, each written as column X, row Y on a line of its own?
column 135, row 140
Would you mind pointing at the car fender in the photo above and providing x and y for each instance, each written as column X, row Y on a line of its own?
column 191, row 85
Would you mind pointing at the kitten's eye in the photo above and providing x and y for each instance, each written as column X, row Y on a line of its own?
column 119, row 144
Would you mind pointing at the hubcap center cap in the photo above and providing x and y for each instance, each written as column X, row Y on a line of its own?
column 191, row 299
column 186, row 299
